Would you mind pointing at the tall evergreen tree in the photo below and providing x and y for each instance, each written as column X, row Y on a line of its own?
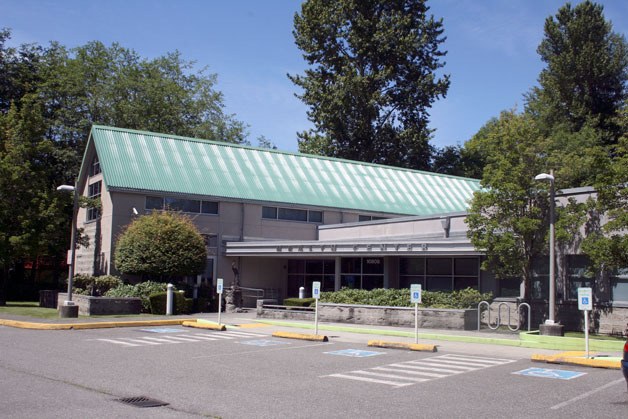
column 372, row 78
column 584, row 82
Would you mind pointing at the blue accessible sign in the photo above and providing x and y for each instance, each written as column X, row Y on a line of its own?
column 549, row 373
column 355, row 353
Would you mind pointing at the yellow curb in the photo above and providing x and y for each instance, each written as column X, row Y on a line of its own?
column 402, row 345
column 578, row 358
column 203, row 325
column 88, row 325
column 289, row 335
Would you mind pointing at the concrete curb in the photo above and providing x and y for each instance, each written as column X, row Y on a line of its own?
column 89, row 325
column 401, row 345
column 525, row 339
column 579, row 358
column 301, row 336
column 204, row 325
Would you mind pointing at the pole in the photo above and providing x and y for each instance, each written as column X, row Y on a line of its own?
column 69, row 302
column 219, row 307
column 316, row 317
column 586, row 331
column 416, row 322
column 552, row 275
column 169, row 298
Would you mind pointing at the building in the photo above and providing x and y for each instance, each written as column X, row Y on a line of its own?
column 285, row 220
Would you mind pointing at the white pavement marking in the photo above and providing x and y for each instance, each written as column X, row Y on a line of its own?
column 283, row 348
column 117, row 342
column 398, row 374
column 370, row 380
column 587, row 394
column 401, row 371
column 169, row 339
column 379, row 374
column 162, row 340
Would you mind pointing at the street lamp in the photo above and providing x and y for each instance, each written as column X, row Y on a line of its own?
column 69, row 309
column 552, row 279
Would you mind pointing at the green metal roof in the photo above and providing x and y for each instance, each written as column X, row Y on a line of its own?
column 144, row 161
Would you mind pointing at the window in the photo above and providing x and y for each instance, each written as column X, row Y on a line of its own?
column 154, row 202
column 364, row 273
column 269, row 213
column 292, row 214
column 302, row 273
column 619, row 284
column 369, row 218
column 183, row 205
column 209, row 207
column 170, row 203
column 93, row 192
column 440, row 273
column 94, row 169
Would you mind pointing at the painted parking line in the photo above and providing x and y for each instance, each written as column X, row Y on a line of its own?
column 163, row 330
column 263, row 342
column 403, row 374
column 188, row 338
column 355, row 353
column 550, row 373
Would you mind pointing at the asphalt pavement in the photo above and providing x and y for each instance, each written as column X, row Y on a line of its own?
column 557, row 350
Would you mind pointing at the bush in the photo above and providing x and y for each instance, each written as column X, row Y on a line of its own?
column 161, row 244
column 298, row 302
column 181, row 304
column 462, row 299
column 95, row 286
column 142, row 290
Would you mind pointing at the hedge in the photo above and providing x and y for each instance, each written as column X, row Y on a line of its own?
column 461, row 299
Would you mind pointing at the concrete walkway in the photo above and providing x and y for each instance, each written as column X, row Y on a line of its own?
column 555, row 350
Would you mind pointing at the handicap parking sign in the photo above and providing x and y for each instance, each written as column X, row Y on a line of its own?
column 550, row 373
column 355, row 353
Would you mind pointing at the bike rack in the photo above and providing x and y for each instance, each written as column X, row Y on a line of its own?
column 499, row 315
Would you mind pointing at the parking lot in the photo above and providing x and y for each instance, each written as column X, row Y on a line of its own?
column 246, row 372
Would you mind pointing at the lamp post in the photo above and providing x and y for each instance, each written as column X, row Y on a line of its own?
column 552, row 257
column 69, row 309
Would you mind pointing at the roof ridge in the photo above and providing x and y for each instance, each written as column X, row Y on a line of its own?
column 290, row 153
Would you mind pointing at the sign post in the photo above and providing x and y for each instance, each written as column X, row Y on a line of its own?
column 316, row 294
column 219, row 287
column 415, row 297
column 585, row 303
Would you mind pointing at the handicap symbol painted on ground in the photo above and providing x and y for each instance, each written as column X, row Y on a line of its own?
column 163, row 330
column 549, row 373
column 355, row 353
column 263, row 342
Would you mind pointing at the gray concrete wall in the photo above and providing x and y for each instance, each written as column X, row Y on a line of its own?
column 381, row 316
column 92, row 306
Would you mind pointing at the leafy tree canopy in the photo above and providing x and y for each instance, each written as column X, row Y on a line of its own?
column 50, row 97
column 372, row 78
column 161, row 245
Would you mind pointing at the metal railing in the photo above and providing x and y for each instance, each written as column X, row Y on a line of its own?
column 499, row 315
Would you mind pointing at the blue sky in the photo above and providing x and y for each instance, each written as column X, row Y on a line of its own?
column 491, row 48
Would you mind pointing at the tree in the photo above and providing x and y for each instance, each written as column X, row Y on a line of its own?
column 161, row 245
column 372, row 79
column 584, row 82
column 607, row 247
column 50, row 97
column 505, row 218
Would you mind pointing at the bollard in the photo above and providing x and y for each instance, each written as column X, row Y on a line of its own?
column 302, row 292
column 169, row 299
